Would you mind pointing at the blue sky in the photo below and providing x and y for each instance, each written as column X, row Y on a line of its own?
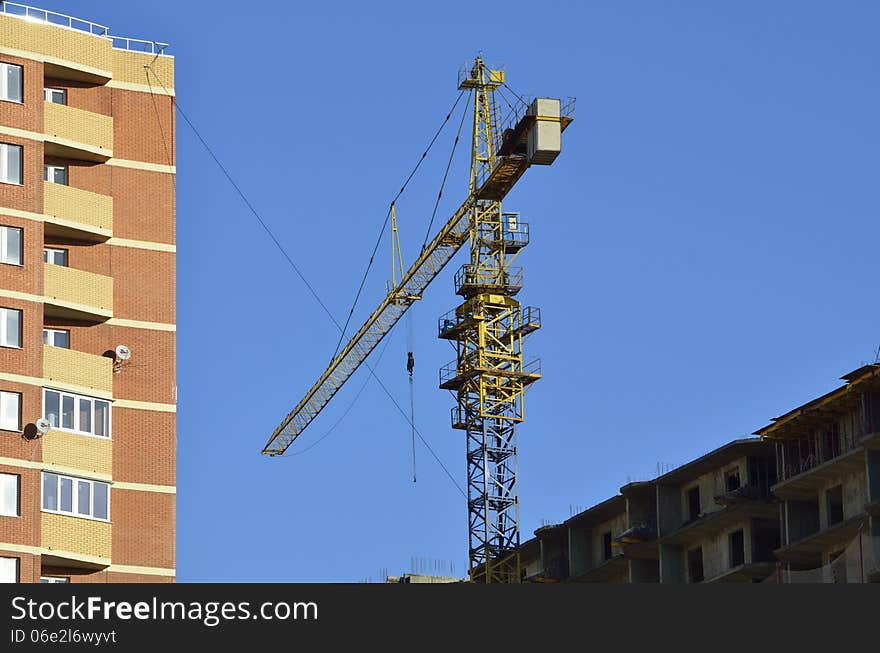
column 703, row 252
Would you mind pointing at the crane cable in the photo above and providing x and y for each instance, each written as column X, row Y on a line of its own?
column 385, row 222
column 445, row 176
column 410, row 365
column 410, row 359
column 296, row 269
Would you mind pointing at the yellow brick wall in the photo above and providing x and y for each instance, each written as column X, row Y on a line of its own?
column 79, row 49
column 78, row 125
column 78, row 287
column 76, row 535
column 77, row 205
column 81, row 452
column 129, row 67
column 78, row 368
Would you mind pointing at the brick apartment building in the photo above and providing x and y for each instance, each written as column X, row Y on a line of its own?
column 87, row 264
column 801, row 503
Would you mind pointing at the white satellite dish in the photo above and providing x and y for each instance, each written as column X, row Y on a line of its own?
column 123, row 353
column 43, row 426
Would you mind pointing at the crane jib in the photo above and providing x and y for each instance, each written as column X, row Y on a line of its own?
column 428, row 265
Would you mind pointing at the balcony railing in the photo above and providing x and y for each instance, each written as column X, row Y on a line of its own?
column 800, row 455
column 77, row 133
column 88, row 214
column 77, row 294
column 70, row 367
column 37, row 15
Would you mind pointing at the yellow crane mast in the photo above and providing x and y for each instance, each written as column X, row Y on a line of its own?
column 488, row 375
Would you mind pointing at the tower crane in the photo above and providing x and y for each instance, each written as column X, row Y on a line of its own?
column 489, row 375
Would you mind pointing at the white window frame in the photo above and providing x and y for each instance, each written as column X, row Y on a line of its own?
column 4, row 335
column 54, row 579
column 4, row 242
column 49, row 91
column 16, row 565
column 74, row 499
column 13, row 481
column 50, row 253
column 5, row 398
column 52, row 333
column 4, row 171
column 4, row 87
column 47, row 167
column 76, row 400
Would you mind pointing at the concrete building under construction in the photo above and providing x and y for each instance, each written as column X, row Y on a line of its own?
column 797, row 504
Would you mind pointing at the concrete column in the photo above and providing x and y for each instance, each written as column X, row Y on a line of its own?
column 671, row 564
column 580, row 550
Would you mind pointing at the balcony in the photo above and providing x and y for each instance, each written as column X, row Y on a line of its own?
column 73, row 48
column 77, row 134
column 79, row 452
column 66, row 368
column 808, row 550
column 76, row 294
column 75, row 542
column 77, row 214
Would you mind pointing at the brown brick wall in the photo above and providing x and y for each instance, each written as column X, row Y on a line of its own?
column 136, row 514
column 143, row 446
column 12, row 445
column 144, row 285
column 143, row 204
column 25, row 529
column 28, row 277
column 28, row 196
column 28, row 360
column 28, row 565
column 143, row 127
column 28, row 114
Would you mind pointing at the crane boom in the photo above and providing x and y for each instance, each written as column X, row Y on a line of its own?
column 426, row 267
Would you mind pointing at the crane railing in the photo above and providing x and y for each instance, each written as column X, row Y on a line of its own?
column 428, row 265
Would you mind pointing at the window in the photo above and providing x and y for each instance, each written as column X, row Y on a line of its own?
column 737, row 546
column 56, row 338
column 53, row 579
column 693, row 502
column 695, row 565
column 606, row 546
column 834, row 502
column 733, row 480
column 10, row 82
column 8, row 570
column 10, row 245
column 10, row 327
column 55, row 256
column 9, row 495
column 55, row 95
column 10, row 163
column 79, row 497
column 55, row 174
column 72, row 412
column 10, row 411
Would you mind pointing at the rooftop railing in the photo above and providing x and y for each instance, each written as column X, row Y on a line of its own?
column 37, row 15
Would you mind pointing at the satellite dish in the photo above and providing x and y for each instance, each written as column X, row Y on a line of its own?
column 123, row 353
column 43, row 426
